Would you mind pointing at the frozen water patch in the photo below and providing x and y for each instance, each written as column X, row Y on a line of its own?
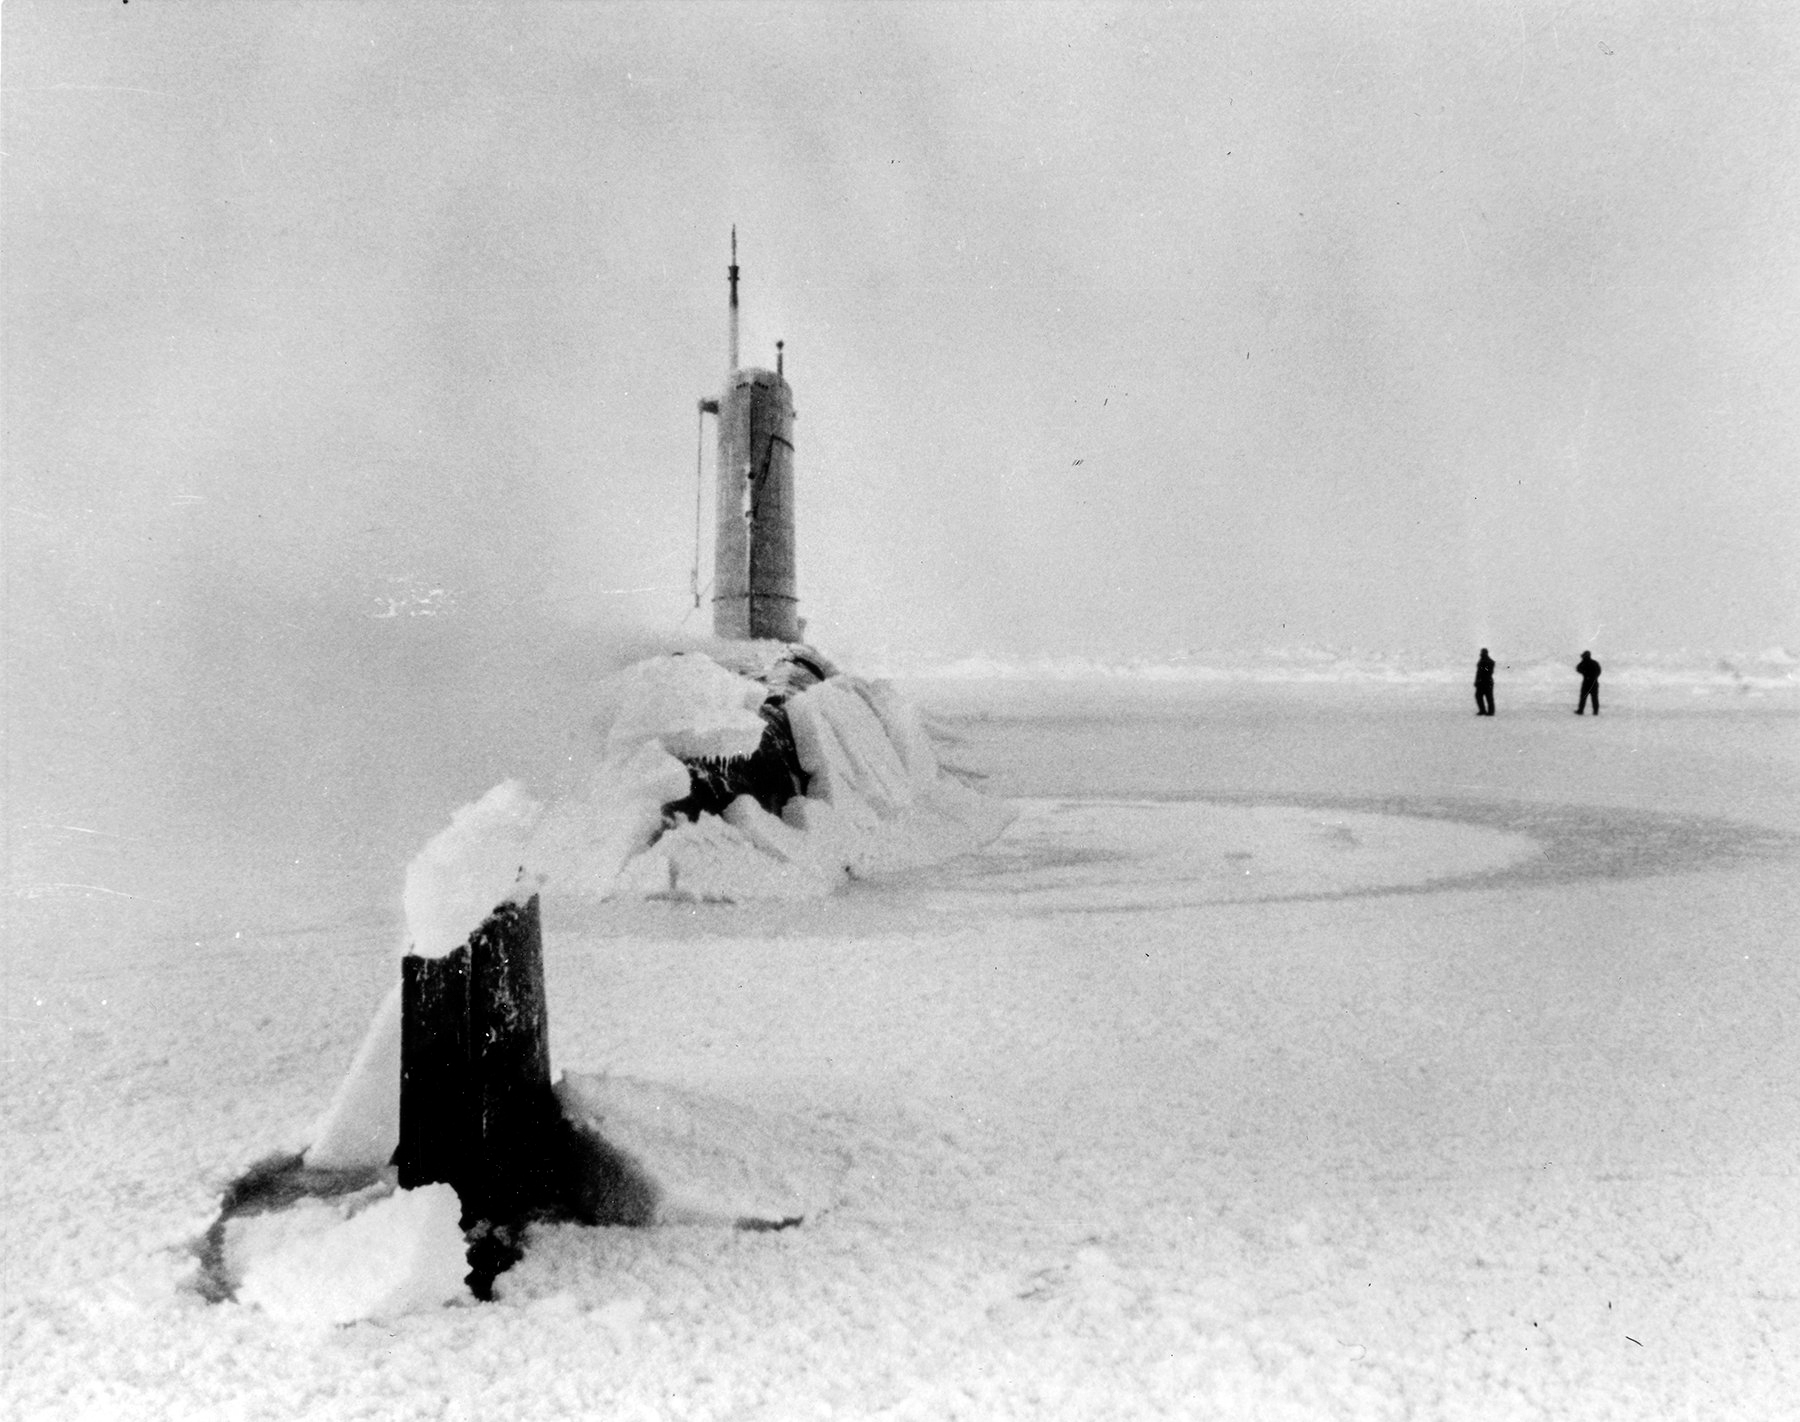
column 1124, row 856
column 1087, row 855
column 1141, row 855
column 1575, row 841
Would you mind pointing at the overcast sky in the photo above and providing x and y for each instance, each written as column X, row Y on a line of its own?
column 1120, row 331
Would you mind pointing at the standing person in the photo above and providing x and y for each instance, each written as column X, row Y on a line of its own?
column 1590, row 683
column 1484, row 684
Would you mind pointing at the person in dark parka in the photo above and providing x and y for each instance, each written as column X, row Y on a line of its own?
column 1484, row 685
column 1590, row 683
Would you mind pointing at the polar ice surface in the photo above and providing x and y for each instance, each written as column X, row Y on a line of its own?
column 1359, row 1133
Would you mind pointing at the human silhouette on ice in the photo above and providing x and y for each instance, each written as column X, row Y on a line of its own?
column 1484, row 684
column 1590, row 683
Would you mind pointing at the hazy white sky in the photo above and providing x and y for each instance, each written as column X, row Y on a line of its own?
column 1124, row 330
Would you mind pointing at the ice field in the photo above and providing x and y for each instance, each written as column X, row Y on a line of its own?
column 1307, row 1048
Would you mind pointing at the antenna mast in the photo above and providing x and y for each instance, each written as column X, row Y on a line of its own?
column 754, row 596
column 733, row 352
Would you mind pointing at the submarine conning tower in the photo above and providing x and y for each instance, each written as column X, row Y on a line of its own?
column 754, row 590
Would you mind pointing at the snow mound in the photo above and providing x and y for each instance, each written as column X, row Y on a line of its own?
column 705, row 1161
column 326, row 1262
column 583, row 841
column 456, row 881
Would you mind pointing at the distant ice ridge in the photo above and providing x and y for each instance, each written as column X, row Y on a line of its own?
column 1772, row 669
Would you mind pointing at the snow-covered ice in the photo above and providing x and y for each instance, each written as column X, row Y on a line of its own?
column 1302, row 1049
column 715, row 1162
